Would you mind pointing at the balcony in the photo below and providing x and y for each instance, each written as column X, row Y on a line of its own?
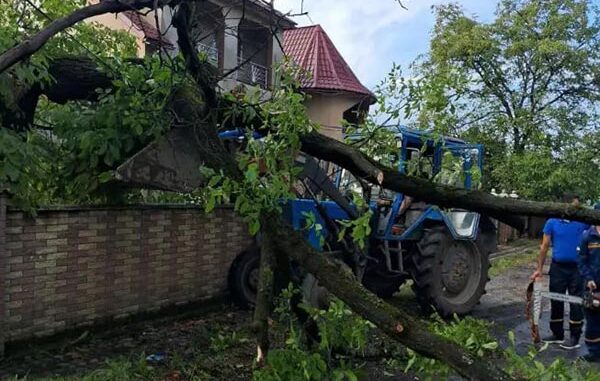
column 253, row 74
column 211, row 52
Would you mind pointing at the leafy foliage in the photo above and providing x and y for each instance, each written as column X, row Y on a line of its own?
column 95, row 137
column 470, row 333
column 339, row 329
column 65, row 158
column 268, row 164
column 525, row 85
column 529, row 367
column 474, row 335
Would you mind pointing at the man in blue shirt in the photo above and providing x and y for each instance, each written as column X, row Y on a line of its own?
column 589, row 268
column 564, row 236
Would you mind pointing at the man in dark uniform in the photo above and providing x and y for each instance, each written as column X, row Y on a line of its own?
column 589, row 268
column 564, row 236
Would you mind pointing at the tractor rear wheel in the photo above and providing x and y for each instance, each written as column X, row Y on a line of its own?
column 449, row 275
column 243, row 278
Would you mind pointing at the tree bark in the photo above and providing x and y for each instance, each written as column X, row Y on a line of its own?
column 264, row 295
column 392, row 321
column 74, row 78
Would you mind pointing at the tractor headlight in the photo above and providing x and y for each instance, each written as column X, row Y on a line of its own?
column 464, row 223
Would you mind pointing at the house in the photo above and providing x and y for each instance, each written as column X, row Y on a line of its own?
column 245, row 40
column 241, row 37
column 335, row 92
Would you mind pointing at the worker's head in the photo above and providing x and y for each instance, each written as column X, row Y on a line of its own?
column 570, row 198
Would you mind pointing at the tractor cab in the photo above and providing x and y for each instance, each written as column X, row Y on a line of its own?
column 443, row 160
column 444, row 252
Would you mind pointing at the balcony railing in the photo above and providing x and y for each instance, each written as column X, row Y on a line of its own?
column 253, row 74
column 212, row 53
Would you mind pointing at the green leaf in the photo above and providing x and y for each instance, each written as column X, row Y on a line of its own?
column 105, row 176
column 254, row 226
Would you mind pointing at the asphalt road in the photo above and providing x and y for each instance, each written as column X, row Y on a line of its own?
column 504, row 305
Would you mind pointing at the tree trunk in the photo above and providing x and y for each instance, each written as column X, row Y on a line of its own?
column 392, row 321
column 264, row 294
column 74, row 78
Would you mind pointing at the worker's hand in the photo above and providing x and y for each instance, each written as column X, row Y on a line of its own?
column 591, row 285
column 537, row 275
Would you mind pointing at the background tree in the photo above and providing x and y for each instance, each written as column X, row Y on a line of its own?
column 527, row 85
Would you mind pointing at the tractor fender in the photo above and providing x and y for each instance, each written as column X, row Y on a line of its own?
column 481, row 225
column 487, row 237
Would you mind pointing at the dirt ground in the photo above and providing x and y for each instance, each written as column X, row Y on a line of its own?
column 218, row 341
column 210, row 344
column 214, row 331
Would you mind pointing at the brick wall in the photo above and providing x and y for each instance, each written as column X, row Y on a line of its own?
column 67, row 268
column 2, row 272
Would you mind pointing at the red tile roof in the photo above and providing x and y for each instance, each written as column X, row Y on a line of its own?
column 311, row 48
column 150, row 32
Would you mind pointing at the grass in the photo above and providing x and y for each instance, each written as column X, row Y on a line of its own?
column 512, row 261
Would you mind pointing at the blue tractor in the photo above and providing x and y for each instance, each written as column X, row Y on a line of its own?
column 445, row 253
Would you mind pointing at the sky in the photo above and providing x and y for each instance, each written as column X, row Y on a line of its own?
column 373, row 34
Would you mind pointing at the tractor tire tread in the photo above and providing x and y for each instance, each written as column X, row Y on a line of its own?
column 422, row 271
column 238, row 270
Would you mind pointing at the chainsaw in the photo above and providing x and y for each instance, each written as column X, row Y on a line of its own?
column 589, row 300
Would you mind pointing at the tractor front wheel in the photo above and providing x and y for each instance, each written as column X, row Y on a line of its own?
column 449, row 275
column 243, row 278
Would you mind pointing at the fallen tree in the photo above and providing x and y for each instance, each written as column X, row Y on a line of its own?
column 173, row 162
column 395, row 323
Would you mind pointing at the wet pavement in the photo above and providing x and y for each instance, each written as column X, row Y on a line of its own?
column 504, row 305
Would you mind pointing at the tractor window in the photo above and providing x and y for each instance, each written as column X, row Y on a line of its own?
column 458, row 166
column 451, row 171
column 474, row 171
column 349, row 184
column 419, row 163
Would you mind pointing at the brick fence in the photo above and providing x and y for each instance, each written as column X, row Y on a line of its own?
column 69, row 267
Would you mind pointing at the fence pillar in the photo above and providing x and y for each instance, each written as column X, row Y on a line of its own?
column 3, row 270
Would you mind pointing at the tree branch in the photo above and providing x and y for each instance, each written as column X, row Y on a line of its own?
column 31, row 45
column 264, row 294
column 74, row 78
column 480, row 70
column 504, row 209
column 203, row 73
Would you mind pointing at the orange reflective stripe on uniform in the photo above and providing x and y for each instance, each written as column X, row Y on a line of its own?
column 575, row 321
column 555, row 320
